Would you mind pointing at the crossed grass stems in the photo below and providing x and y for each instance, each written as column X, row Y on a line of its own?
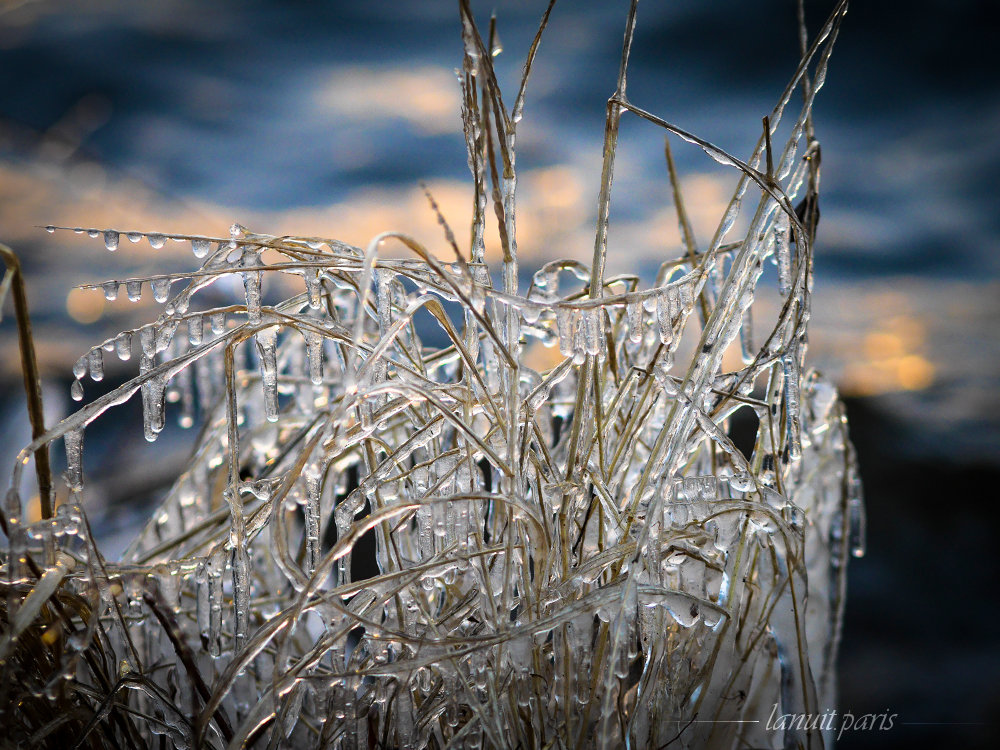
column 473, row 407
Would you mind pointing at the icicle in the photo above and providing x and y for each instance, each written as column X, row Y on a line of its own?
column 161, row 289
column 383, row 298
column 565, row 324
column 312, row 510
column 110, row 290
column 633, row 311
column 134, row 290
column 314, row 353
column 76, row 391
column 592, row 330
column 156, row 241
column 111, row 240
column 782, row 253
column 73, row 440
column 96, row 361
column 314, row 287
column 267, row 348
column 790, row 366
column 666, row 306
column 214, row 568
column 165, row 334
column 153, row 391
column 251, row 283
column 202, row 603
column 123, row 346
column 241, row 595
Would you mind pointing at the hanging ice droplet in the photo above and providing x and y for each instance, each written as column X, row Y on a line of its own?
column 200, row 247
column 156, row 241
column 110, row 290
column 50, row 229
column 267, row 348
column 134, row 290
column 196, row 326
column 73, row 440
column 76, row 390
column 133, row 237
column 161, row 289
column 123, row 346
column 111, row 240
column 96, row 361
column 217, row 322
column 80, row 367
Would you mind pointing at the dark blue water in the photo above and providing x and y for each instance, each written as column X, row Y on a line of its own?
column 217, row 104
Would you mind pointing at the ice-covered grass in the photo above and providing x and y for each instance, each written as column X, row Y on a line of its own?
column 381, row 543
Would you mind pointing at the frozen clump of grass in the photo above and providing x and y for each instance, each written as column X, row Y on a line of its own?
column 380, row 543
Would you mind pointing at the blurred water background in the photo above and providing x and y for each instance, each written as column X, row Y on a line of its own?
column 321, row 119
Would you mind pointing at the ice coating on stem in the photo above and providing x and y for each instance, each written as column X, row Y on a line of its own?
column 782, row 253
column 399, row 524
column 251, row 283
